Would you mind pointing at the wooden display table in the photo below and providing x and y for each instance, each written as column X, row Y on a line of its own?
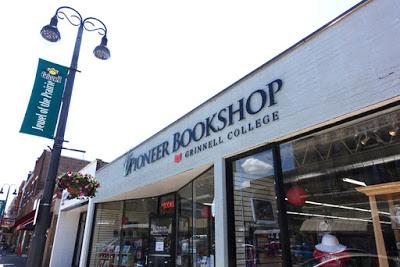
column 387, row 191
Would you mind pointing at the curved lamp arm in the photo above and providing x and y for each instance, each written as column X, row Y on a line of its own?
column 90, row 26
column 51, row 33
column 70, row 17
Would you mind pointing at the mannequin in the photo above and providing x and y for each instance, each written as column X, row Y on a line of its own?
column 331, row 252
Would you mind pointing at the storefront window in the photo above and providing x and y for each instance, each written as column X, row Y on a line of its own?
column 255, row 211
column 195, row 216
column 176, row 229
column 135, row 231
column 185, row 226
column 106, row 233
column 342, row 191
column 203, row 232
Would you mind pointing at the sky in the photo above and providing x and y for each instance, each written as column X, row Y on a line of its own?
column 167, row 57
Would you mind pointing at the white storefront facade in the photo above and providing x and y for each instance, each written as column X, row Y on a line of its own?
column 67, row 249
column 302, row 151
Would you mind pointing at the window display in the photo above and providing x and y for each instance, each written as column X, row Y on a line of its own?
column 342, row 188
column 176, row 229
column 135, row 231
column 196, row 229
column 106, row 235
column 256, row 225
column 184, row 248
column 121, row 233
column 203, row 227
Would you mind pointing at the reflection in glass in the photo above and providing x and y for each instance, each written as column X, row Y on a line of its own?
column 204, row 230
column 185, row 226
column 256, row 224
column 106, row 234
column 196, row 229
column 176, row 229
column 135, row 231
column 342, row 188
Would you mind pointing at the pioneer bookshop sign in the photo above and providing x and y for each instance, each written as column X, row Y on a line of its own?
column 255, row 111
column 44, row 105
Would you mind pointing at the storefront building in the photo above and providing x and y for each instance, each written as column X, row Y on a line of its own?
column 67, row 249
column 299, row 161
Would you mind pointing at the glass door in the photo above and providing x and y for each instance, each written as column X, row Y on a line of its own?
column 161, row 250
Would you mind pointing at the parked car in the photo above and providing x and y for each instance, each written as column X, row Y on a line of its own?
column 353, row 258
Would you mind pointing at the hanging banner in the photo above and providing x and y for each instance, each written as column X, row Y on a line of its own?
column 44, row 105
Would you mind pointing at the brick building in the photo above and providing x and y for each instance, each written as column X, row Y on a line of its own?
column 31, row 191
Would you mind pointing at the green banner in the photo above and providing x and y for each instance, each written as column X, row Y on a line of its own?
column 2, row 207
column 44, row 105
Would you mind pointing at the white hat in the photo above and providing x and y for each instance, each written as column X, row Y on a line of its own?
column 330, row 244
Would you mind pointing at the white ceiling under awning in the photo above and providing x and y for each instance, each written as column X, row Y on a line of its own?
column 167, row 185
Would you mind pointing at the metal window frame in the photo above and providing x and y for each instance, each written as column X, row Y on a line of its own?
column 278, row 177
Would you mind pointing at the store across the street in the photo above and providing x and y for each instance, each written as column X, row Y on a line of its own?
column 298, row 162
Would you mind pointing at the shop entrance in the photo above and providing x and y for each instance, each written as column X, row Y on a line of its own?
column 172, row 230
column 161, row 249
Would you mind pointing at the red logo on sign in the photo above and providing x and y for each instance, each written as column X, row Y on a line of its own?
column 178, row 158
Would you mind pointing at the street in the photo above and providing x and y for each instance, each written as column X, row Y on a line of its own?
column 12, row 260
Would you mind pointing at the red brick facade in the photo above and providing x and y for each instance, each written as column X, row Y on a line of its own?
column 35, row 183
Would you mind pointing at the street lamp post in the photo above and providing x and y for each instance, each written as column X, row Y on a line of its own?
column 5, row 204
column 51, row 33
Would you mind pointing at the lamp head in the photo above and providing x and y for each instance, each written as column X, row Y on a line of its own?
column 50, row 31
column 101, row 51
column 15, row 192
column 1, row 191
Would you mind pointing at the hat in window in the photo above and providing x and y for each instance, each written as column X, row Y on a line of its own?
column 330, row 244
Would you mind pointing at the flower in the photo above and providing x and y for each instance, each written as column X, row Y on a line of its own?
column 78, row 185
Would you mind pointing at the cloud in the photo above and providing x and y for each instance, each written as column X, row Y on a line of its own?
column 256, row 166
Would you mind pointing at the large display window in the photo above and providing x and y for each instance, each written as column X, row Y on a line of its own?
column 106, row 234
column 331, row 198
column 184, row 255
column 256, row 227
column 196, row 229
column 176, row 229
column 134, row 237
column 342, row 190
column 203, row 220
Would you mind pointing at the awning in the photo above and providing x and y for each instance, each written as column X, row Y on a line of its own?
column 26, row 225
column 24, row 221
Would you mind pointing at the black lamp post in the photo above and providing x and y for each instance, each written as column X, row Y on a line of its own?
column 5, row 204
column 51, row 33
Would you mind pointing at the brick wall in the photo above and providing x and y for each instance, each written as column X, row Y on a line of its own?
column 35, row 184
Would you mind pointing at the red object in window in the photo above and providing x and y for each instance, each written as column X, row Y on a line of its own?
column 296, row 195
column 169, row 204
column 205, row 212
column 327, row 259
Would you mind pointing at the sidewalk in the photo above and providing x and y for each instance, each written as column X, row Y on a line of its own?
column 12, row 260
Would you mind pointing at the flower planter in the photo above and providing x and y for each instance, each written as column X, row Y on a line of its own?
column 78, row 185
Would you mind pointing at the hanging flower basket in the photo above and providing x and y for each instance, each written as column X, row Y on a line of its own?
column 78, row 185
